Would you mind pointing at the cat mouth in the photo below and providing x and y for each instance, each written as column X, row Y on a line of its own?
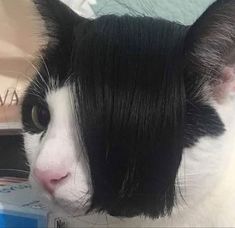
column 75, row 208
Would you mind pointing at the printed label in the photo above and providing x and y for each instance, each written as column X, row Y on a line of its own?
column 9, row 97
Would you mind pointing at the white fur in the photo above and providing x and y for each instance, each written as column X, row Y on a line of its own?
column 206, row 177
column 58, row 149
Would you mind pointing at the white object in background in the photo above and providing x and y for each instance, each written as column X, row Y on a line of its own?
column 21, row 206
column 82, row 7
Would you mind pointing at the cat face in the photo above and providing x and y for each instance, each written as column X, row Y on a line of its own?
column 117, row 102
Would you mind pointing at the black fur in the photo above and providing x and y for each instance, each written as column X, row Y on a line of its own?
column 136, row 104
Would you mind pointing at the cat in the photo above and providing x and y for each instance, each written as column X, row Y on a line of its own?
column 133, row 116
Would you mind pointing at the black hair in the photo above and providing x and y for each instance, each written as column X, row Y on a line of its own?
column 131, row 102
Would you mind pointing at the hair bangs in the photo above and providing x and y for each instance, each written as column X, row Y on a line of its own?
column 130, row 93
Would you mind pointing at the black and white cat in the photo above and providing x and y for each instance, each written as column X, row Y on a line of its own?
column 134, row 116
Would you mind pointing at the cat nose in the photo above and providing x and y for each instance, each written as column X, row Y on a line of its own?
column 50, row 179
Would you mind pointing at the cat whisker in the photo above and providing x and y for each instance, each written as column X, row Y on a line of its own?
column 34, row 93
column 68, row 79
column 107, row 222
column 37, row 84
column 45, row 65
column 15, row 170
column 38, row 73
column 28, row 79
column 75, row 173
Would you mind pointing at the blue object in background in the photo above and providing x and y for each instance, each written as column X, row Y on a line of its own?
column 10, row 219
column 7, row 221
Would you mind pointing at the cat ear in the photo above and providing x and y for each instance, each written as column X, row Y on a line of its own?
column 210, row 44
column 28, row 25
column 58, row 18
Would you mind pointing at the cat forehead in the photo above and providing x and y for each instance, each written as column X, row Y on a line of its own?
column 59, row 97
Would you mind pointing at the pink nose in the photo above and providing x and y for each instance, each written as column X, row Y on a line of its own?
column 50, row 179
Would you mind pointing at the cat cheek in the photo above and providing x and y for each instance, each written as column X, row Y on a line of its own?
column 31, row 145
column 226, row 86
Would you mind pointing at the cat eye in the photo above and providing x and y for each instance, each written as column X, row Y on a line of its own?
column 40, row 117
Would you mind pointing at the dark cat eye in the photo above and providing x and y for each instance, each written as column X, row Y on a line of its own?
column 40, row 117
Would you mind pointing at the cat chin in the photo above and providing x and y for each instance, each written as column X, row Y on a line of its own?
column 65, row 206
column 71, row 208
